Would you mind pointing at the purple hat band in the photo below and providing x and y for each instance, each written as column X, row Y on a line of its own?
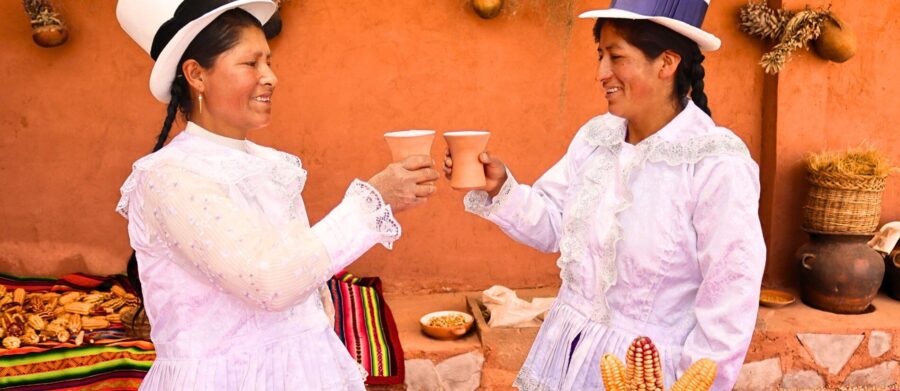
column 691, row 12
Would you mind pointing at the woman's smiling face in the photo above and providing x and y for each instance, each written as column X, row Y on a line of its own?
column 238, row 87
column 630, row 81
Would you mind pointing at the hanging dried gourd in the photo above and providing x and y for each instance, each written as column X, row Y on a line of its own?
column 794, row 30
column 47, row 27
column 487, row 9
column 836, row 42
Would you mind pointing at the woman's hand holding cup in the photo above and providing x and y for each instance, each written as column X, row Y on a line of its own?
column 406, row 183
column 494, row 171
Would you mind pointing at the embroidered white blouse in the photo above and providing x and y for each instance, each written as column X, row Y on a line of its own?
column 659, row 239
column 231, row 268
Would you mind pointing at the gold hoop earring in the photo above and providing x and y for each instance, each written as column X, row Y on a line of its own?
column 200, row 103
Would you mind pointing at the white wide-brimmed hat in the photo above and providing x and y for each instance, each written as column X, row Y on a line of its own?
column 165, row 28
column 682, row 16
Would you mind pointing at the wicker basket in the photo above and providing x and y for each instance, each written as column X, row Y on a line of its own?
column 842, row 203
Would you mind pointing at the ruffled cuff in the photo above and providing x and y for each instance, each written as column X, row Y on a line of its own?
column 377, row 213
column 478, row 201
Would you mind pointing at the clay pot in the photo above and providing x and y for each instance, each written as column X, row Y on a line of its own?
column 836, row 42
column 468, row 172
column 49, row 35
column 892, row 274
column 487, row 9
column 840, row 273
column 409, row 142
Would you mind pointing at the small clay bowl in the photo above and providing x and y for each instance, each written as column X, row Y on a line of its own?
column 446, row 333
column 774, row 298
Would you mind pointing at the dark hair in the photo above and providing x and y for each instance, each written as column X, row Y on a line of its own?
column 653, row 39
column 219, row 36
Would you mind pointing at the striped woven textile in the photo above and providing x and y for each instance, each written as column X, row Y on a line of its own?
column 363, row 322
column 107, row 361
column 366, row 326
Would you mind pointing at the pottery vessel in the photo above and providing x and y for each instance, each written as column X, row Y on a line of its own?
column 840, row 273
column 465, row 146
column 409, row 142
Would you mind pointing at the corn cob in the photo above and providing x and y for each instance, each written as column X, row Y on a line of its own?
column 643, row 371
column 613, row 373
column 11, row 342
column 19, row 296
column 29, row 338
column 699, row 377
column 69, row 297
column 36, row 322
column 2, row 290
column 62, row 336
column 79, row 308
column 95, row 298
column 114, row 318
column 74, row 325
column 94, row 322
column 118, row 291
column 7, row 298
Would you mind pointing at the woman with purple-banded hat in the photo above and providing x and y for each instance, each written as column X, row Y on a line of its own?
column 230, row 270
column 653, row 209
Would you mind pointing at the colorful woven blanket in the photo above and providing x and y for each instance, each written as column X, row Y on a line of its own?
column 111, row 361
column 107, row 361
column 365, row 324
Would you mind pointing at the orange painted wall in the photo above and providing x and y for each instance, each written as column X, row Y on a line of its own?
column 827, row 106
column 75, row 117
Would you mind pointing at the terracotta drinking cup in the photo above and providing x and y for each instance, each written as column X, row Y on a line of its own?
column 465, row 146
column 409, row 142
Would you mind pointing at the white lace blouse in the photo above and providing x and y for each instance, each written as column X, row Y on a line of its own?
column 660, row 239
column 231, row 268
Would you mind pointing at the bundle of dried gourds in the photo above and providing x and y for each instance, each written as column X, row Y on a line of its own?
column 831, row 38
column 644, row 372
column 32, row 318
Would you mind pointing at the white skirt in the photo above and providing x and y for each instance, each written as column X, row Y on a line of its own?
column 311, row 360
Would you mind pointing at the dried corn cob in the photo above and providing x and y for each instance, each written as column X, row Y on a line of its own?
column 29, row 338
column 94, row 322
column 613, row 373
column 69, row 297
column 62, row 336
column 644, row 371
column 79, row 308
column 699, row 377
column 95, row 298
column 118, row 291
column 11, row 342
column 2, row 290
column 19, row 296
column 36, row 322
column 74, row 325
column 4, row 299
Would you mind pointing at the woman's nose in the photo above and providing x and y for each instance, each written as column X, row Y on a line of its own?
column 268, row 77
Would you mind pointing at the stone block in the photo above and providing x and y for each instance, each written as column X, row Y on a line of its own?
column 878, row 375
column 879, row 343
column 462, row 372
column 760, row 376
column 802, row 380
column 421, row 376
column 831, row 351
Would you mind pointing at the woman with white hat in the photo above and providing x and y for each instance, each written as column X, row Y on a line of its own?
column 229, row 266
column 653, row 209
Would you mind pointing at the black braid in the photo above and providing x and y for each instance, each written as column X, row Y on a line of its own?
column 697, row 94
column 219, row 36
